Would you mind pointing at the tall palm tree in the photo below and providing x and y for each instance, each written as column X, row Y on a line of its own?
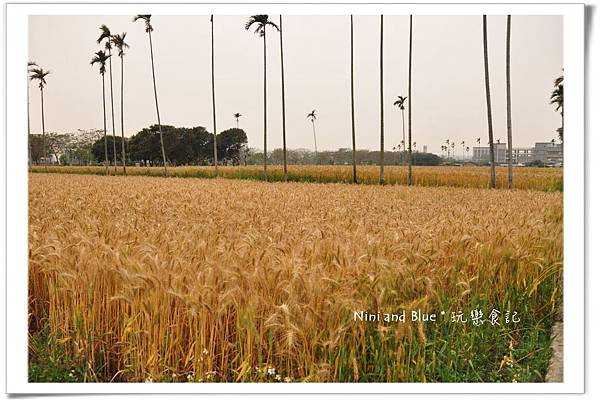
column 489, row 104
column 214, row 106
column 30, row 66
column 100, row 57
column 410, row 100
column 312, row 117
column 105, row 35
column 149, row 29
column 237, row 119
column 354, row 176
column 381, row 133
column 463, row 146
column 262, row 22
column 400, row 103
column 119, row 42
column 557, row 99
column 40, row 75
column 508, row 105
column 285, row 169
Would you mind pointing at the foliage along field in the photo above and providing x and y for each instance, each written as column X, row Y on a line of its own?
column 147, row 279
column 534, row 178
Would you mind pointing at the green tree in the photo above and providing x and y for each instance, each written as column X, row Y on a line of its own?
column 149, row 29
column 231, row 143
column 557, row 99
column 38, row 74
column 119, row 42
column 489, row 104
column 262, row 22
column 100, row 58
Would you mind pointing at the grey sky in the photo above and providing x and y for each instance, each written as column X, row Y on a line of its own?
column 448, row 88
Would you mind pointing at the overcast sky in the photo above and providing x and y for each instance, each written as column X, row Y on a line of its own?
column 448, row 77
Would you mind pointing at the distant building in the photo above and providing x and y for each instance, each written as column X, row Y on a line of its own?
column 424, row 148
column 482, row 153
column 545, row 152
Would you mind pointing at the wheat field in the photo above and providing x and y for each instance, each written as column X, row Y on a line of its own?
column 153, row 279
column 534, row 178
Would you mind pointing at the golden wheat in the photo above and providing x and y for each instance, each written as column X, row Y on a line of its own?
column 468, row 177
column 145, row 278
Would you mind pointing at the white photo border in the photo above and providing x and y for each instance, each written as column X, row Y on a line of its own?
column 17, row 195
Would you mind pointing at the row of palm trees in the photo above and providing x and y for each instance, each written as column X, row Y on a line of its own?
column 262, row 23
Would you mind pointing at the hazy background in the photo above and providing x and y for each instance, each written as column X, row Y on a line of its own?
column 448, row 77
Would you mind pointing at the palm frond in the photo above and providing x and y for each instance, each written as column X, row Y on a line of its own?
column 146, row 19
column 105, row 33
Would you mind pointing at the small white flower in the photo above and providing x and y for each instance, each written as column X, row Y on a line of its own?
column 287, row 379
column 190, row 377
column 71, row 374
column 205, row 351
column 271, row 370
column 149, row 380
column 278, row 378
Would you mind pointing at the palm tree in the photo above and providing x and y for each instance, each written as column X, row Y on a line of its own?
column 105, row 35
column 285, row 170
column 400, row 103
column 149, row 29
column 312, row 116
column 381, row 133
column 354, row 176
column 119, row 42
column 39, row 74
column 262, row 22
column 410, row 100
column 237, row 119
column 508, row 105
column 214, row 106
column 30, row 66
column 557, row 99
column 489, row 103
column 463, row 146
column 100, row 57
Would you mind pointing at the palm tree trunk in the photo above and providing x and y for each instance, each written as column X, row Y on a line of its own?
column 381, row 144
column 265, row 102
column 403, row 138
column 354, row 177
column 508, row 105
column 285, row 169
column 410, row 35
column 489, row 104
column 104, row 119
column 122, row 123
column 28, row 128
column 315, row 139
column 162, row 145
column 214, row 107
column 112, row 110
column 43, row 131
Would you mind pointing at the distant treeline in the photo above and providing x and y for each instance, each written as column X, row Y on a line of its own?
column 194, row 146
